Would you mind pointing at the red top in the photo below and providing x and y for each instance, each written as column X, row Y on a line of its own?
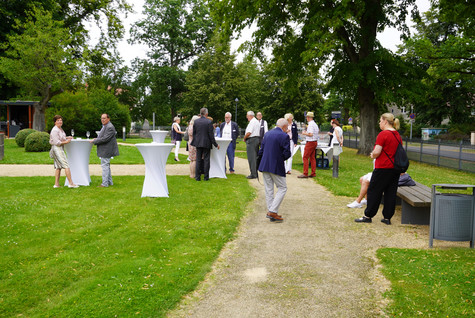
column 387, row 140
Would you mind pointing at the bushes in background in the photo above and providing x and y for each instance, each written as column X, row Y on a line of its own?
column 21, row 136
column 37, row 141
column 82, row 111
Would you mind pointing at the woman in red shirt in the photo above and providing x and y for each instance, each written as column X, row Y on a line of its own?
column 384, row 178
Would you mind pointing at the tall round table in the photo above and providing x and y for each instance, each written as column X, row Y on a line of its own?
column 158, row 136
column 217, row 164
column 78, row 151
column 155, row 156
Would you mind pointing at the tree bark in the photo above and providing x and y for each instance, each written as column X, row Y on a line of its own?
column 39, row 117
column 368, row 120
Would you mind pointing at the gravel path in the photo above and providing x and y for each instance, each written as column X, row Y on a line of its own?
column 317, row 263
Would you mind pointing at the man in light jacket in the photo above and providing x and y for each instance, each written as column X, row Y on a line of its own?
column 106, row 149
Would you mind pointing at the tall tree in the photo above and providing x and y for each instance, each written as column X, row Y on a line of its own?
column 311, row 33
column 212, row 81
column 76, row 15
column 41, row 61
column 443, row 47
column 176, row 31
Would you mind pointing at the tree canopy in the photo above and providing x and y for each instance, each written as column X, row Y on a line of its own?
column 41, row 61
column 341, row 34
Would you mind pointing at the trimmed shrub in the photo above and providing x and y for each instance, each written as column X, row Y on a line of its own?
column 21, row 136
column 37, row 142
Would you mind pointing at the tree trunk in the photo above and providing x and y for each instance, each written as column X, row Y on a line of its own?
column 369, row 119
column 39, row 116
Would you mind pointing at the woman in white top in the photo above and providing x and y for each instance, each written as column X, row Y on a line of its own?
column 337, row 139
column 57, row 141
column 176, row 135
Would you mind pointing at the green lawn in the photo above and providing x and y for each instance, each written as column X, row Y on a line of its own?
column 117, row 253
column 92, row 252
column 430, row 283
column 128, row 155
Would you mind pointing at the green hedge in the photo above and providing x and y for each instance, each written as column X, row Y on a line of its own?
column 21, row 136
column 37, row 142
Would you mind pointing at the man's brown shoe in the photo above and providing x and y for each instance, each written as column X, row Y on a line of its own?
column 274, row 217
column 302, row 176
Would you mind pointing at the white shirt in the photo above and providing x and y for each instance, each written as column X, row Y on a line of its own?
column 227, row 131
column 266, row 129
column 253, row 127
column 336, row 140
column 312, row 128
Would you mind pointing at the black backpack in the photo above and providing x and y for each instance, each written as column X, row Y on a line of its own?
column 401, row 162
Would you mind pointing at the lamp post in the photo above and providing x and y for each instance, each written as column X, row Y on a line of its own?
column 235, row 115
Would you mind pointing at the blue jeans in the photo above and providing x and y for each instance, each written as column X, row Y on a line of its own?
column 230, row 153
column 106, row 172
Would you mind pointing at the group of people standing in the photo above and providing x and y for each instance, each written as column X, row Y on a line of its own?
column 106, row 149
column 277, row 146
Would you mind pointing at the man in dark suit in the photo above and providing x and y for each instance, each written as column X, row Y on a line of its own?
column 275, row 149
column 230, row 130
column 106, row 149
column 203, row 140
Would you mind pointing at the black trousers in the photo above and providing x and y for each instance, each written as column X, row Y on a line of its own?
column 202, row 162
column 382, row 181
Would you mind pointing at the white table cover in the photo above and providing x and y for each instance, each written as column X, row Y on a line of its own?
column 78, row 151
column 158, row 136
column 155, row 156
column 217, row 163
column 326, row 150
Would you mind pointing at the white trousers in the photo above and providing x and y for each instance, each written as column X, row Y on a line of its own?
column 274, row 201
column 288, row 162
column 177, row 148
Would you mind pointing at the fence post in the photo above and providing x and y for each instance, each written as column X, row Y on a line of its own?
column 336, row 161
column 420, row 154
column 438, row 155
column 356, row 135
column 460, row 155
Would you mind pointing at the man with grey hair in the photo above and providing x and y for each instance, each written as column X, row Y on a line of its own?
column 275, row 149
column 229, row 130
column 262, row 126
column 106, row 148
column 251, row 138
column 203, row 140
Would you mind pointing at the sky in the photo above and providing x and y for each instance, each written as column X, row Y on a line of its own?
column 389, row 38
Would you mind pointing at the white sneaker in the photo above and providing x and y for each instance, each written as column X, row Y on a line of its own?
column 354, row 204
column 364, row 202
column 73, row 186
column 55, row 186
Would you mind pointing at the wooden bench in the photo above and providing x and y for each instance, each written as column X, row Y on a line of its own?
column 415, row 205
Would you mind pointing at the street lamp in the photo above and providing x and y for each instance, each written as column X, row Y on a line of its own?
column 235, row 117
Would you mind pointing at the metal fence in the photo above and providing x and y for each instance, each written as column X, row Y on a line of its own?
column 456, row 155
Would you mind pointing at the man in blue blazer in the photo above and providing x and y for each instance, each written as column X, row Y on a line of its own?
column 275, row 149
column 229, row 129
column 203, row 140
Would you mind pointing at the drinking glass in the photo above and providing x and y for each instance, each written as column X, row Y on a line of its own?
column 88, row 133
column 72, row 133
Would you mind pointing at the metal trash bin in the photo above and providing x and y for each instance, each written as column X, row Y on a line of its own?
column 452, row 215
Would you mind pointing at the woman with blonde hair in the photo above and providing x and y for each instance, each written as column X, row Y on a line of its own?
column 176, row 135
column 192, row 149
column 57, row 141
column 294, row 138
column 384, row 179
